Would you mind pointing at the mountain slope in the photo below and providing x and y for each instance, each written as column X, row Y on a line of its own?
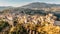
column 40, row 5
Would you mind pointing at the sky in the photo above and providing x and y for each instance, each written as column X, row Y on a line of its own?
column 17, row 3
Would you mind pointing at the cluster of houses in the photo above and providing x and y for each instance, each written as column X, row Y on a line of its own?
column 29, row 19
column 33, row 19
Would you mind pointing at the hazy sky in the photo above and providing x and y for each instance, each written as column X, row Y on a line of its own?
column 24, row 2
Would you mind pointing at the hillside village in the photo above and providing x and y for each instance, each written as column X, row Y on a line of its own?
column 28, row 23
column 34, row 18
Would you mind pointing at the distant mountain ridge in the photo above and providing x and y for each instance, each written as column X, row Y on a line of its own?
column 5, row 7
column 40, row 5
column 33, row 5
